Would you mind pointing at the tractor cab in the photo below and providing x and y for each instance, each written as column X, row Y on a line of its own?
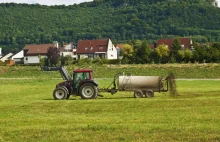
column 81, row 75
column 81, row 85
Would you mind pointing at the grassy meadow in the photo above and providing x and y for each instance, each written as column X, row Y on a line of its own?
column 108, row 71
column 28, row 112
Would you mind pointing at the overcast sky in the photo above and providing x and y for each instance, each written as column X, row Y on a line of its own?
column 46, row 2
column 53, row 2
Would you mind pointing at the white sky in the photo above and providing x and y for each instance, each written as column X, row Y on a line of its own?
column 53, row 2
column 46, row 2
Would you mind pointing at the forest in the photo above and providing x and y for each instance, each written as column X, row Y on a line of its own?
column 120, row 20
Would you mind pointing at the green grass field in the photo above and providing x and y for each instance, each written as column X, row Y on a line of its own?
column 108, row 71
column 28, row 112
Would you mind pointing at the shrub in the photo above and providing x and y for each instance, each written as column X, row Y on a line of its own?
column 84, row 61
column 97, row 61
column 2, row 63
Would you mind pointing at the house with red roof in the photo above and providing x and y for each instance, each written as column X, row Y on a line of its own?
column 18, row 58
column 151, row 46
column 103, row 48
column 33, row 51
column 119, row 49
column 68, row 50
column 186, row 43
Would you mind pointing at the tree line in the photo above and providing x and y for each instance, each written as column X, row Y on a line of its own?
column 119, row 20
column 138, row 52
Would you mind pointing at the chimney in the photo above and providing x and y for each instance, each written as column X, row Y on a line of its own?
column 56, row 44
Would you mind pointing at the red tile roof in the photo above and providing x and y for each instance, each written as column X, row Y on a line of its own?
column 169, row 42
column 92, row 46
column 34, row 49
column 151, row 46
column 120, row 46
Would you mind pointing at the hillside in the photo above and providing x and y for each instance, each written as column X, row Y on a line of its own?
column 120, row 20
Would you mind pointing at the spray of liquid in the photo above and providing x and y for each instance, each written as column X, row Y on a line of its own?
column 172, row 85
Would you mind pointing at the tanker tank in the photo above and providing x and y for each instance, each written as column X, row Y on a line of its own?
column 132, row 83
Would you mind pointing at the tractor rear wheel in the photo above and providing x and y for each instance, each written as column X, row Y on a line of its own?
column 88, row 91
column 138, row 94
column 60, row 93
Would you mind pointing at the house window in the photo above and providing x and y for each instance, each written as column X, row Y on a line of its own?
column 182, row 46
column 91, row 48
column 86, row 48
column 112, row 55
column 26, row 58
column 100, row 48
column 90, row 56
column 74, row 53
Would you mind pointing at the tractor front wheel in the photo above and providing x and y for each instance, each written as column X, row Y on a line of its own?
column 60, row 93
column 88, row 91
column 67, row 91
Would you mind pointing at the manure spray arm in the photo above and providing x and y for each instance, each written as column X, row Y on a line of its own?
column 114, row 81
column 172, row 84
column 114, row 89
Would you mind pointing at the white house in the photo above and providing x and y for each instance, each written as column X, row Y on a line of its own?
column 103, row 48
column 6, row 57
column 18, row 58
column 32, row 52
column 0, row 52
column 69, row 50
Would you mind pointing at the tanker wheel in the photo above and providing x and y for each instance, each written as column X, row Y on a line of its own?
column 60, row 93
column 150, row 93
column 88, row 91
column 138, row 94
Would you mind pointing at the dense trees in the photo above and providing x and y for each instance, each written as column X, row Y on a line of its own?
column 142, row 52
column 201, row 53
column 120, row 20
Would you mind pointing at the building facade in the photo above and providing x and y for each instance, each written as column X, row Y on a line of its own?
column 103, row 49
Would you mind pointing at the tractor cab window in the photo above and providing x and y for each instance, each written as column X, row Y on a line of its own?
column 79, row 76
column 82, row 76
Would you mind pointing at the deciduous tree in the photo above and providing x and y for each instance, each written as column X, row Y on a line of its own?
column 53, row 55
column 162, row 52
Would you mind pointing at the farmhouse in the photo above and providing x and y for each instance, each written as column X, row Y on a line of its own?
column 102, row 48
column 32, row 52
column 186, row 43
column 6, row 57
column 18, row 58
column 68, row 50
